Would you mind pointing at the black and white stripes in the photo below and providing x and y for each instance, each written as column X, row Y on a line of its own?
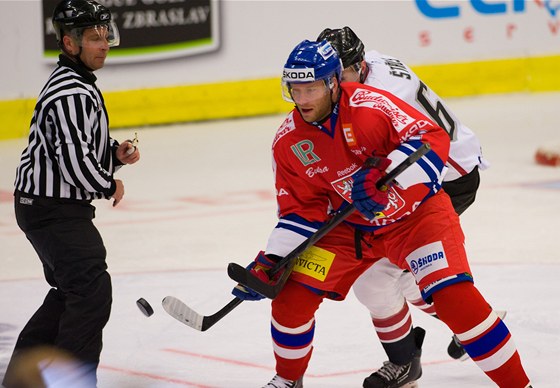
column 70, row 154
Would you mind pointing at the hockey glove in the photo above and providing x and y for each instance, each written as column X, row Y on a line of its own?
column 367, row 198
column 258, row 268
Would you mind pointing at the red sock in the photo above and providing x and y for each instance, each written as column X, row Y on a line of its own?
column 483, row 334
column 293, row 328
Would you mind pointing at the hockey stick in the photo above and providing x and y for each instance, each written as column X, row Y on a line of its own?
column 189, row 317
column 186, row 315
column 243, row 276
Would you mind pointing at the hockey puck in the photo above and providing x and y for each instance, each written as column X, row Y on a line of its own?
column 145, row 307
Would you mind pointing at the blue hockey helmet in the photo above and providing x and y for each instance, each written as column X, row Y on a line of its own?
column 309, row 62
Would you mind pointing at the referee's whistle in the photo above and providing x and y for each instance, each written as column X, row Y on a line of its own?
column 133, row 142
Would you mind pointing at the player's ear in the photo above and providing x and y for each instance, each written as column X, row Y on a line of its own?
column 335, row 89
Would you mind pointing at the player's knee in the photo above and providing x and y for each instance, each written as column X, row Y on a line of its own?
column 283, row 305
column 364, row 292
column 460, row 306
column 382, row 298
column 380, row 305
column 100, row 294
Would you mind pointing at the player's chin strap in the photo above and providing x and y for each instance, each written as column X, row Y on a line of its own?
column 363, row 75
column 333, row 116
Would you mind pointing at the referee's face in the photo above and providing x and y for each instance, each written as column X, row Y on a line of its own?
column 95, row 47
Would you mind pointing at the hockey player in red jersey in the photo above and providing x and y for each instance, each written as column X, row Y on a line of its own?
column 384, row 287
column 318, row 154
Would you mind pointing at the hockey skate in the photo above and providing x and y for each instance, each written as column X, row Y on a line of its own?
column 456, row 350
column 280, row 382
column 399, row 376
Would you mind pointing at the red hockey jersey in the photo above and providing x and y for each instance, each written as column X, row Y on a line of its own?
column 314, row 164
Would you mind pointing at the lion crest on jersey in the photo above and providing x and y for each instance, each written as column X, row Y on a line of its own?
column 343, row 187
column 395, row 203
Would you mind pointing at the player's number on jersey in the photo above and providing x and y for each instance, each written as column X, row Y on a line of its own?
column 436, row 111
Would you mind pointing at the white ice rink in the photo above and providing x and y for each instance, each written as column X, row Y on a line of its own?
column 202, row 196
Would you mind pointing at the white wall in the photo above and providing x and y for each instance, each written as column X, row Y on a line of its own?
column 257, row 36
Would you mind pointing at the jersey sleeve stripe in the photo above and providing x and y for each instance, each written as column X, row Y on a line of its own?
column 429, row 169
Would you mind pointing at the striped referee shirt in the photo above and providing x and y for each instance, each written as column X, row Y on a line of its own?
column 70, row 154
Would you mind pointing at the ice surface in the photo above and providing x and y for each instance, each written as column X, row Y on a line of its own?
column 202, row 196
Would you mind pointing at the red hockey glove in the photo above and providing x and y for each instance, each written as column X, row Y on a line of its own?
column 367, row 198
column 259, row 268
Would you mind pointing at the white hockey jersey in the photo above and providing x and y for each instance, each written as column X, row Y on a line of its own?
column 392, row 75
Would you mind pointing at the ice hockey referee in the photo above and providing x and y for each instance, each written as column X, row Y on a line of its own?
column 69, row 161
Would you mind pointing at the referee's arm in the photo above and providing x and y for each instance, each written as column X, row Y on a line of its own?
column 82, row 148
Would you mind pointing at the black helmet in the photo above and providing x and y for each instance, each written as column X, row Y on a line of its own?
column 79, row 14
column 349, row 47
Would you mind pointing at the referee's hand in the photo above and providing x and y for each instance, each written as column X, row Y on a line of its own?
column 119, row 192
column 128, row 153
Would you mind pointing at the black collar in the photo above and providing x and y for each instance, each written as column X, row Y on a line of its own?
column 64, row 60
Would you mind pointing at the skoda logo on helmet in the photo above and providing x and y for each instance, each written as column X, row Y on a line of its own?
column 301, row 75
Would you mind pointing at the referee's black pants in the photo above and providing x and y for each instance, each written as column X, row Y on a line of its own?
column 78, row 305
